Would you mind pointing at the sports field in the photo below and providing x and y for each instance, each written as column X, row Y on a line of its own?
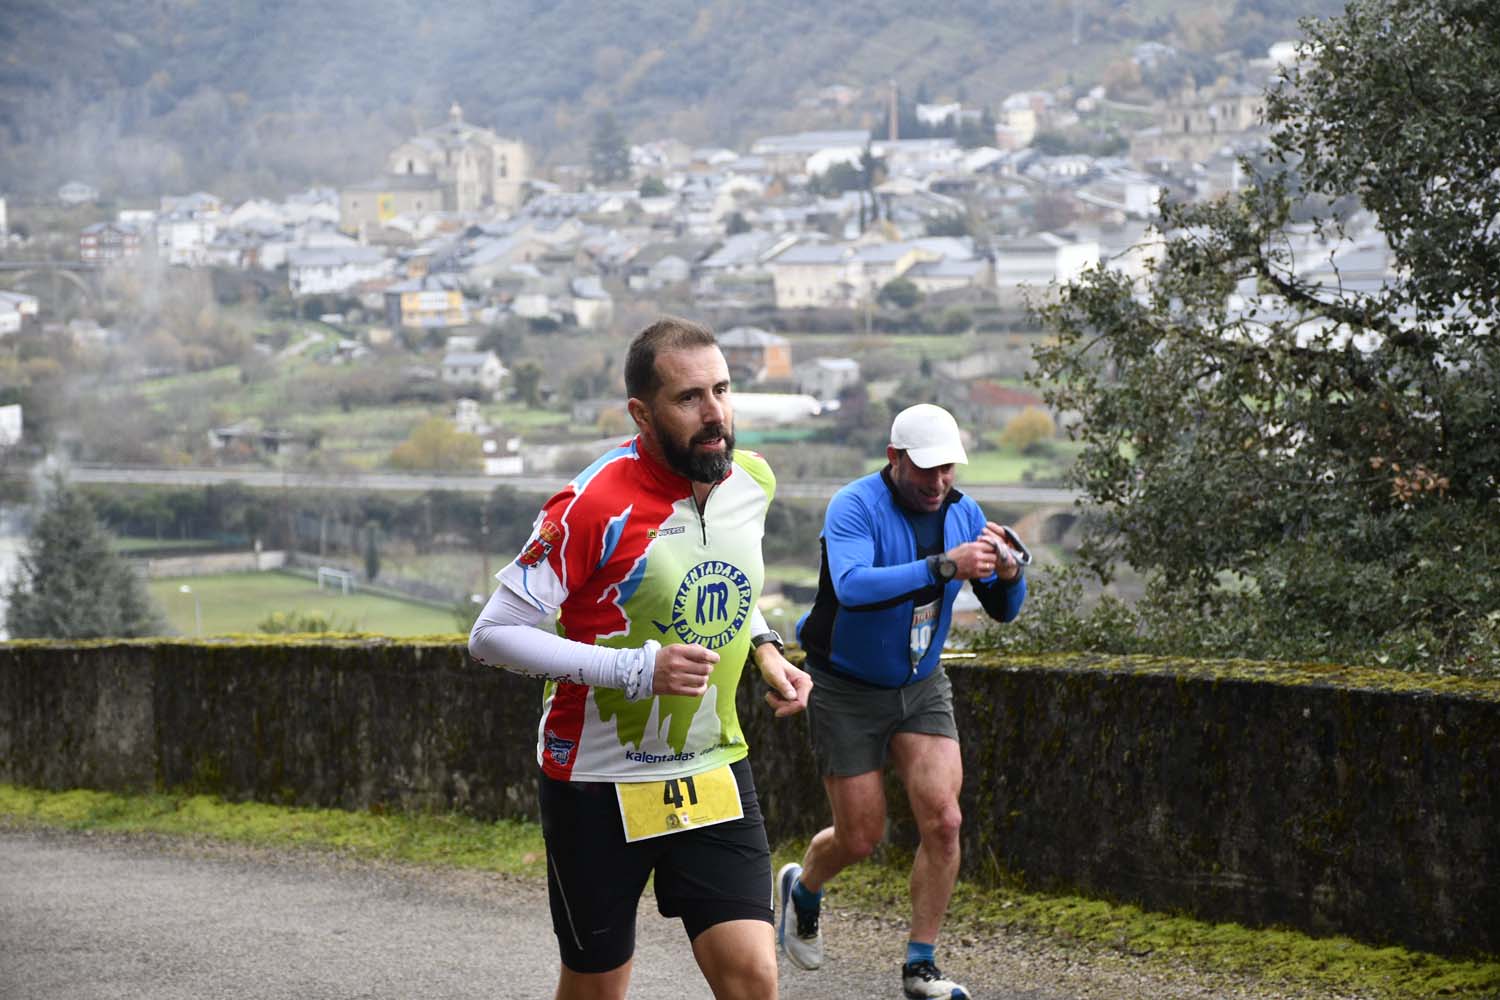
column 230, row 603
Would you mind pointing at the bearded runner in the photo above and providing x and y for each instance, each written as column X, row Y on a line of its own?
column 627, row 562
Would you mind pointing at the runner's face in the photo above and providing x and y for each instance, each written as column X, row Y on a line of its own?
column 919, row 489
column 691, row 419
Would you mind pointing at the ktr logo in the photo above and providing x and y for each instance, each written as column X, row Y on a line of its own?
column 711, row 605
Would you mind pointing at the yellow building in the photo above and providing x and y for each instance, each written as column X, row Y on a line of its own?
column 433, row 301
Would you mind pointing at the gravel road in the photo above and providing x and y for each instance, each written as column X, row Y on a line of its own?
column 160, row 918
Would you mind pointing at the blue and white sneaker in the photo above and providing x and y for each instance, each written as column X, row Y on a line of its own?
column 804, row 945
column 923, row 981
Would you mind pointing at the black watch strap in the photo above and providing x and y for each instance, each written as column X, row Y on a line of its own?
column 771, row 636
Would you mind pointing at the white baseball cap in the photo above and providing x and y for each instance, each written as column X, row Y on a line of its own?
column 929, row 436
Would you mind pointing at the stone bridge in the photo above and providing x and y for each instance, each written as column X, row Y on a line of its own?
column 54, row 282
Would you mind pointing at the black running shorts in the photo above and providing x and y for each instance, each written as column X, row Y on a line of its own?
column 595, row 878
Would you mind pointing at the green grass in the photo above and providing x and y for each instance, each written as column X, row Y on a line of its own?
column 392, row 423
column 514, row 416
column 158, row 390
column 1000, row 466
column 1318, row 966
column 232, row 603
column 453, row 840
column 1276, row 956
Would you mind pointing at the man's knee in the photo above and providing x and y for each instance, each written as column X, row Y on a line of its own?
column 943, row 826
column 860, row 840
column 756, row 976
column 738, row 958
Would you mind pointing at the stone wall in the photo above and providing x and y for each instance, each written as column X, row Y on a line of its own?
column 1333, row 800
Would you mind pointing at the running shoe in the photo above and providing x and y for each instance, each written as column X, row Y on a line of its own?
column 922, row 980
column 804, row 945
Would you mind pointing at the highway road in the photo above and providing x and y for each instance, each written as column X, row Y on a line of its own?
column 148, row 918
column 541, row 485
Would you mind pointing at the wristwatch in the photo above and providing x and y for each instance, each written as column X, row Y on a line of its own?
column 772, row 636
column 941, row 567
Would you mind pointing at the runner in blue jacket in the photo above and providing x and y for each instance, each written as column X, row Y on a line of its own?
column 897, row 548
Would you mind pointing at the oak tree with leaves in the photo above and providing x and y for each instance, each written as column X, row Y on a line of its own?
column 1322, row 451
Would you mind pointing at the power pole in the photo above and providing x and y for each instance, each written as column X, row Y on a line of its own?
column 894, row 131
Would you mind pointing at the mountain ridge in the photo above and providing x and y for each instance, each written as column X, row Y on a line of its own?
column 244, row 95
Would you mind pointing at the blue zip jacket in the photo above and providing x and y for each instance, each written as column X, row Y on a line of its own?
column 873, row 581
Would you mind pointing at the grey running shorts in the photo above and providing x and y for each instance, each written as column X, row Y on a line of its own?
column 852, row 722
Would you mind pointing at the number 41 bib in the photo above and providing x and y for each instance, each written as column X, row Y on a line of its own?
column 657, row 808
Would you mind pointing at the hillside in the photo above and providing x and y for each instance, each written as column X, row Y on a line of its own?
column 144, row 96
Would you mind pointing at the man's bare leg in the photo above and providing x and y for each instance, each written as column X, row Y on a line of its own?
column 738, row 958
column 932, row 770
column 609, row 985
column 858, row 804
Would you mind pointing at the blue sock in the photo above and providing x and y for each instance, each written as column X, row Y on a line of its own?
column 918, row 951
column 805, row 899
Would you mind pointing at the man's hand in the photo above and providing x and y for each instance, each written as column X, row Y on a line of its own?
column 975, row 560
column 1008, row 563
column 789, row 685
column 683, row 668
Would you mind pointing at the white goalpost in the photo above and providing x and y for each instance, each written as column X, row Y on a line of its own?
column 342, row 577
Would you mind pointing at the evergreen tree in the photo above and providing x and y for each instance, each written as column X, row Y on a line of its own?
column 609, row 151
column 72, row 584
column 372, row 549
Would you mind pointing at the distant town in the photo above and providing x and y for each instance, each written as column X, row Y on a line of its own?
column 457, row 234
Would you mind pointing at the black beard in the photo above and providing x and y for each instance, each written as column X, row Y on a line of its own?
column 700, row 466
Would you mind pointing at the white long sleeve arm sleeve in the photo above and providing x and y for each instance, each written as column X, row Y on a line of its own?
column 506, row 635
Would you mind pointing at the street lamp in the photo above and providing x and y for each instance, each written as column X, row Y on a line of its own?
column 197, row 609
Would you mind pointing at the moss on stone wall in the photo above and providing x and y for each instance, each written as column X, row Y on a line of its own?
column 1326, row 798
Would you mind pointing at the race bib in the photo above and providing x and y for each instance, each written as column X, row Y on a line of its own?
column 657, row 808
column 923, row 621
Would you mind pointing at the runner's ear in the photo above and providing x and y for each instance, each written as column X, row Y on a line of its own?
column 640, row 412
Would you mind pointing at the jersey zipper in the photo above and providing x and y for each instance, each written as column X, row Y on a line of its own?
column 702, row 511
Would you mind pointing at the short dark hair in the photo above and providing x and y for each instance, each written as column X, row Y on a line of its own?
column 669, row 333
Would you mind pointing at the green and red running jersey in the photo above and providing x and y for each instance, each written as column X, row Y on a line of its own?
column 622, row 555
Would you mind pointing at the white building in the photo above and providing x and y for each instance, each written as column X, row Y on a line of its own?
column 758, row 409
column 14, row 308
column 824, row 378
column 789, row 154
column 593, row 306
column 318, row 270
column 1036, row 261
column 481, row 368
column 77, row 193
column 842, row 275
column 184, row 232
column 10, row 425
